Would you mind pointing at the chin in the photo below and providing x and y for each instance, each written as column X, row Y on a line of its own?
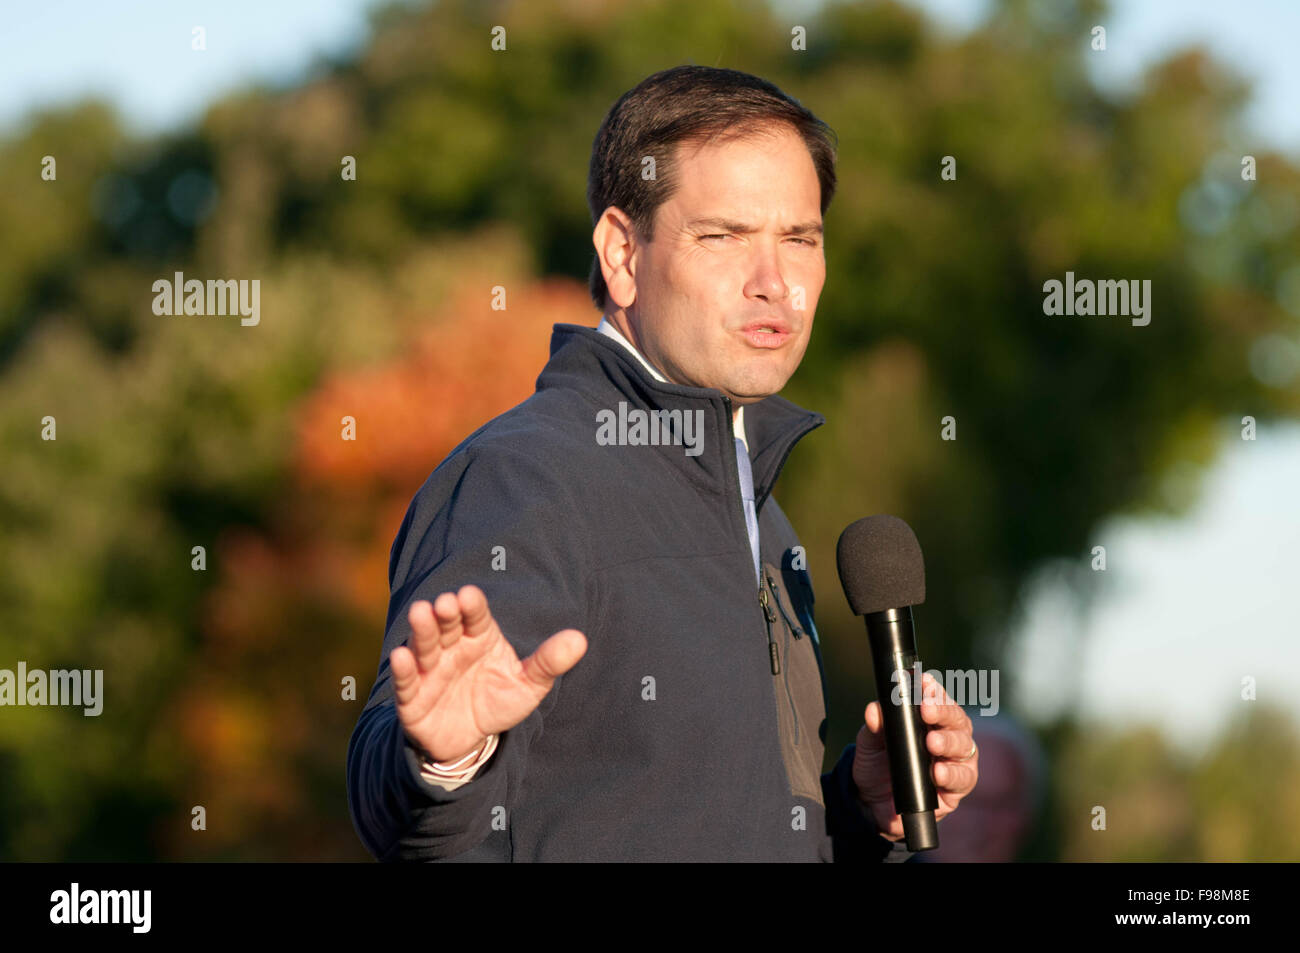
column 756, row 390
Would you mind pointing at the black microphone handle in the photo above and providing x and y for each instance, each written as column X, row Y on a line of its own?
column 893, row 649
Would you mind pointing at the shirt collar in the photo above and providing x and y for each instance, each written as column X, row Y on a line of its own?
column 608, row 329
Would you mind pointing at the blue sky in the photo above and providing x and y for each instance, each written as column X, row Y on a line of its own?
column 137, row 52
column 1186, row 607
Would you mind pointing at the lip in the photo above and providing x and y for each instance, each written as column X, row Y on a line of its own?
column 757, row 337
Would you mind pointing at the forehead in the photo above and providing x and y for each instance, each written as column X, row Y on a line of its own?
column 766, row 171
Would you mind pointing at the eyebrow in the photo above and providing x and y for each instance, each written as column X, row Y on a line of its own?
column 727, row 225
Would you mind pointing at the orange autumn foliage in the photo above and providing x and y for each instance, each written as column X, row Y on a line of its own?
column 472, row 364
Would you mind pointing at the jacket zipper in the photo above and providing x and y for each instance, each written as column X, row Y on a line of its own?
column 773, row 654
column 798, row 632
column 769, row 617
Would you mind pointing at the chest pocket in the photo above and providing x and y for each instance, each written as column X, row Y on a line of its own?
column 798, row 686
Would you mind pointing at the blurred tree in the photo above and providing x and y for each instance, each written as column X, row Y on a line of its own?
column 1231, row 805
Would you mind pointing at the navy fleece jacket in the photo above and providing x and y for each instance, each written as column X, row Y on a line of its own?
column 693, row 728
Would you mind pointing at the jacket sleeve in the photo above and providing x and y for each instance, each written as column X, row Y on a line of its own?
column 498, row 519
column 853, row 832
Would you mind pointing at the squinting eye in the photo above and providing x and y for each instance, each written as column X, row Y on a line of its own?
column 713, row 236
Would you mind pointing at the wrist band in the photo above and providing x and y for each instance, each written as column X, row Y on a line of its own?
column 442, row 765
column 455, row 770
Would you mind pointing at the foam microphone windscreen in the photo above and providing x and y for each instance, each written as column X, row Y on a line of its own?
column 880, row 565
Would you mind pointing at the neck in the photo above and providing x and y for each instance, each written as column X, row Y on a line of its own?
column 621, row 323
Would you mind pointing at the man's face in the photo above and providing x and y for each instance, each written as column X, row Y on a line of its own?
column 737, row 251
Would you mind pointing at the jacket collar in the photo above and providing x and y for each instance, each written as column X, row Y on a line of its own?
column 596, row 366
column 608, row 329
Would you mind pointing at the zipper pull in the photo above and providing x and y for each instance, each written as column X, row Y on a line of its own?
column 798, row 632
column 774, row 657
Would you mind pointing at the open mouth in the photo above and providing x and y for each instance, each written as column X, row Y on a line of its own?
column 766, row 336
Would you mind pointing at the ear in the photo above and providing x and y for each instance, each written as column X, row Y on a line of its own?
column 615, row 238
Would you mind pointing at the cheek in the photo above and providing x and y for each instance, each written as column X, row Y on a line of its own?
column 812, row 285
column 815, row 279
column 810, row 275
column 723, row 265
column 672, row 278
column 701, row 275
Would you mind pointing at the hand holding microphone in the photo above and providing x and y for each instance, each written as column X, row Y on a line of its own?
column 915, row 759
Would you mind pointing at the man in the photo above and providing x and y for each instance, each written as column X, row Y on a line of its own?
column 616, row 532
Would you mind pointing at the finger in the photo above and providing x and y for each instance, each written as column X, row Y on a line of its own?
column 424, row 635
column 948, row 744
column 954, row 778
column 406, row 680
column 554, row 657
column 933, row 688
column 450, row 623
column 892, row 831
column 937, row 706
column 474, row 609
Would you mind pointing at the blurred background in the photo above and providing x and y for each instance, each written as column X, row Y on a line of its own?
column 225, row 687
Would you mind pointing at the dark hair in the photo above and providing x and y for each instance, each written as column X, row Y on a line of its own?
column 687, row 104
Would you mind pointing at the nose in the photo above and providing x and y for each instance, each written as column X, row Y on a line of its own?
column 765, row 279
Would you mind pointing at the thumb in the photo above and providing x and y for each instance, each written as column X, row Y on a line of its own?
column 871, row 767
column 872, row 737
column 554, row 657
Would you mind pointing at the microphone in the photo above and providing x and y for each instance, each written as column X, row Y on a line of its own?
column 883, row 576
